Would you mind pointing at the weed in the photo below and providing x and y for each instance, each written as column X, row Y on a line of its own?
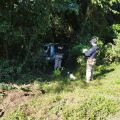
column 4, row 86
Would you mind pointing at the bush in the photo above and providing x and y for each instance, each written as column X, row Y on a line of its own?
column 56, row 72
column 113, row 50
column 9, row 69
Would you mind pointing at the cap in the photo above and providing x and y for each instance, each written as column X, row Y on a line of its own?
column 60, row 47
column 93, row 40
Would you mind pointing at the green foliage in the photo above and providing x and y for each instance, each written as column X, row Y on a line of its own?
column 57, row 72
column 26, row 25
column 9, row 70
column 78, row 49
column 4, row 27
column 106, row 4
column 114, row 50
column 4, row 86
column 66, row 5
column 101, row 52
column 116, row 29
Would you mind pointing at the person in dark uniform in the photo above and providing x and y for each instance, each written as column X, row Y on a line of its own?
column 91, row 59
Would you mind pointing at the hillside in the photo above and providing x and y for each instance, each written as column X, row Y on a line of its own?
column 64, row 99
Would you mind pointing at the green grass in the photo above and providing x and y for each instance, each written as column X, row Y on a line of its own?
column 65, row 99
column 4, row 86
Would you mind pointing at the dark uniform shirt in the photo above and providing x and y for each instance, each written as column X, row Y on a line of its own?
column 91, row 53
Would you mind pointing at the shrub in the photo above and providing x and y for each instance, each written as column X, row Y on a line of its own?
column 9, row 69
column 56, row 72
column 113, row 50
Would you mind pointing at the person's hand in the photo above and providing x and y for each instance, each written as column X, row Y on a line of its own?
column 85, row 50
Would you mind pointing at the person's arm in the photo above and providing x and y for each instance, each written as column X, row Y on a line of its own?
column 89, row 52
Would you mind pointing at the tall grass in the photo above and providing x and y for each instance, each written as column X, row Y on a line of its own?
column 72, row 100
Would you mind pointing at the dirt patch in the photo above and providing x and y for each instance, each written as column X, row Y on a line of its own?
column 20, row 95
column 13, row 99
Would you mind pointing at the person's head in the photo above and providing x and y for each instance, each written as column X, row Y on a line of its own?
column 60, row 49
column 93, row 42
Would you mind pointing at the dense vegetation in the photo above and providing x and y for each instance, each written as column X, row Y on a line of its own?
column 25, row 26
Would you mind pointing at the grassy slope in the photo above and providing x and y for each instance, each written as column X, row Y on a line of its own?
column 73, row 100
